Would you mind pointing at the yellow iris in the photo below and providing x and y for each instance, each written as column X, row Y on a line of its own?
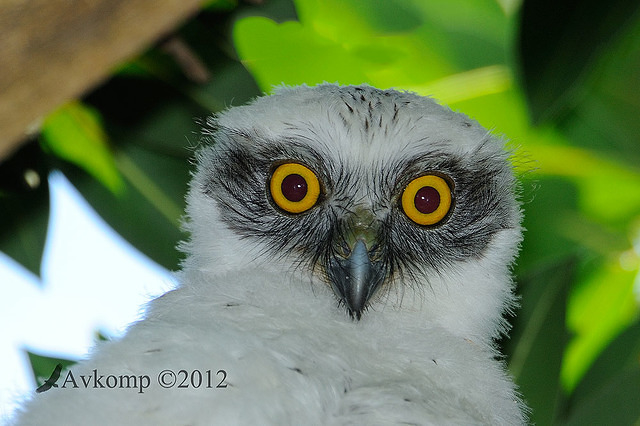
column 427, row 200
column 294, row 187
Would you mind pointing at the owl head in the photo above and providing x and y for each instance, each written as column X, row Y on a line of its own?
column 391, row 201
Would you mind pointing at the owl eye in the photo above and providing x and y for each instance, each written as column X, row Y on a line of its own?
column 294, row 188
column 427, row 199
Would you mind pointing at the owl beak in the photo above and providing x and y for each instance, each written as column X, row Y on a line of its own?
column 356, row 278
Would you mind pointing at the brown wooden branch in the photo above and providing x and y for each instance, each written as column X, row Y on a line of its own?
column 54, row 50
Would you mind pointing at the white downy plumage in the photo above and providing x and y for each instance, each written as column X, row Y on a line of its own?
column 266, row 313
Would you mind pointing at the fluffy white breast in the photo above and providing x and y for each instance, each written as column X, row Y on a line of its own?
column 288, row 358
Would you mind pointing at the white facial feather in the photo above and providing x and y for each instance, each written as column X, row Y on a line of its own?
column 263, row 290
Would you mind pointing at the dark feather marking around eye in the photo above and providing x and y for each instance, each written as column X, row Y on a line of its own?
column 483, row 193
column 238, row 185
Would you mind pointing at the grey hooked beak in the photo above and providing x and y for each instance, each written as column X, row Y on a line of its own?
column 356, row 278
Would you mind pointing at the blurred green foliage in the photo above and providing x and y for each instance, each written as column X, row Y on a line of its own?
column 560, row 79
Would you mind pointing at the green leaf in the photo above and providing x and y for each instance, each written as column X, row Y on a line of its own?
column 469, row 33
column 549, row 202
column 74, row 133
column 150, row 156
column 593, row 173
column 291, row 54
column 617, row 403
column 606, row 120
column 147, row 211
column 621, row 357
column 538, row 338
column 350, row 43
column 42, row 366
column 471, row 84
column 24, row 227
column 382, row 16
column 24, row 206
column 602, row 305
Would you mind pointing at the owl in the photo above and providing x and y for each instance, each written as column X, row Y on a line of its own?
column 348, row 263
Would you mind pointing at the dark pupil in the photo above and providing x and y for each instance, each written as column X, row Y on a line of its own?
column 427, row 199
column 294, row 187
